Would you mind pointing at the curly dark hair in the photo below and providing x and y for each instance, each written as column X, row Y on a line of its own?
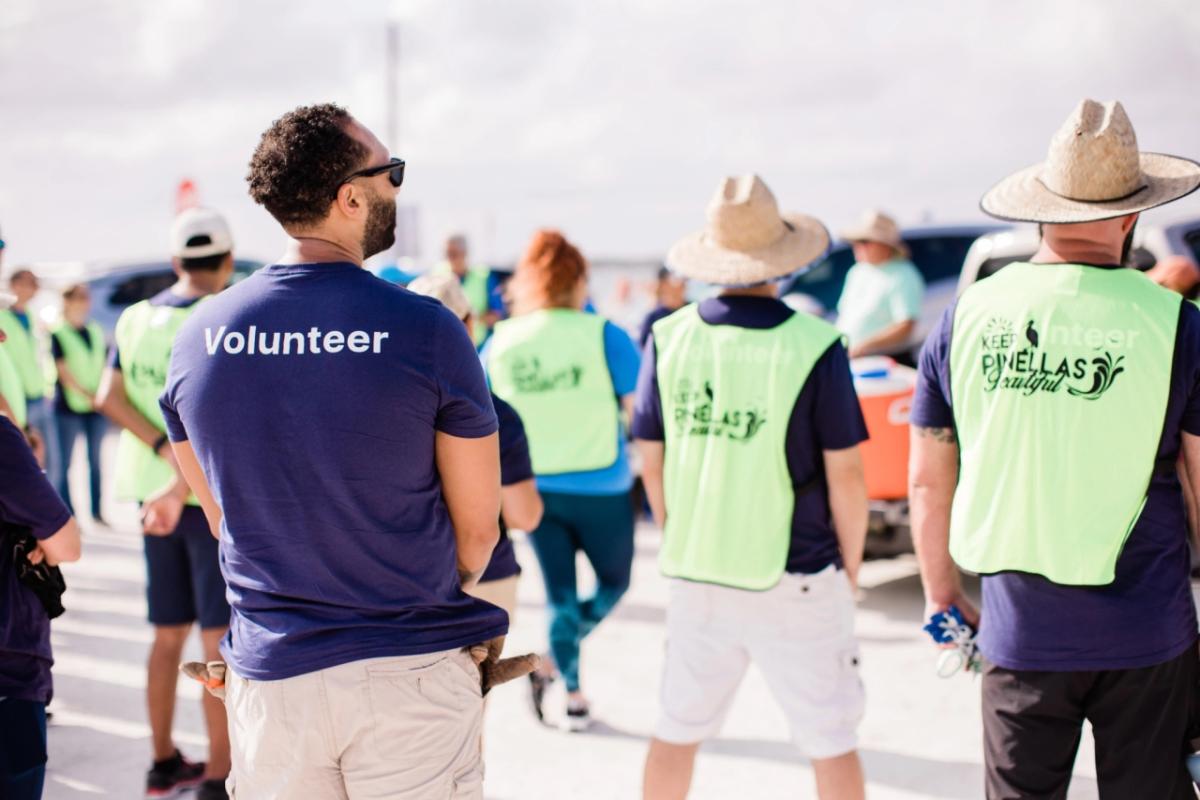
column 300, row 162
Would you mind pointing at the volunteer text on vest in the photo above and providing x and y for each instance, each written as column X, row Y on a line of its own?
column 288, row 343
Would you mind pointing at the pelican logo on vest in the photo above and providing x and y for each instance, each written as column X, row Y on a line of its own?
column 530, row 377
column 696, row 414
column 1081, row 361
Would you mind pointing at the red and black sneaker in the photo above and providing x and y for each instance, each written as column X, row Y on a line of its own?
column 171, row 776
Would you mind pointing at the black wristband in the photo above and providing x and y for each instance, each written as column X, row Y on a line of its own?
column 158, row 444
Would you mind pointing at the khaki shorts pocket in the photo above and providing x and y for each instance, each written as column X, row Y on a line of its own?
column 421, row 715
column 257, row 719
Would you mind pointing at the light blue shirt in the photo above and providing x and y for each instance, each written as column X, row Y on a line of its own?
column 624, row 362
column 877, row 297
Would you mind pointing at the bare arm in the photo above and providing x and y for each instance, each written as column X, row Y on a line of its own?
column 113, row 402
column 470, row 472
column 68, row 380
column 63, row 546
column 652, row 479
column 848, row 505
column 932, row 479
column 521, row 505
column 1189, row 476
column 190, row 467
column 889, row 340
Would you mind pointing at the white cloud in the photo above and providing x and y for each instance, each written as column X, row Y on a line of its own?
column 611, row 119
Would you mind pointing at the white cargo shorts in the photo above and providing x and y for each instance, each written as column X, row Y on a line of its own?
column 406, row 728
column 799, row 633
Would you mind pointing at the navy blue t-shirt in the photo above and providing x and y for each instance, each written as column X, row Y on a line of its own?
column 515, row 467
column 29, row 501
column 318, row 443
column 166, row 298
column 826, row 416
column 656, row 313
column 1147, row 615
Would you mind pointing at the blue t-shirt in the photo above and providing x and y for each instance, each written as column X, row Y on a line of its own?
column 166, row 298
column 27, row 500
column 23, row 319
column 515, row 467
column 318, row 443
column 657, row 313
column 827, row 416
column 1147, row 615
column 624, row 361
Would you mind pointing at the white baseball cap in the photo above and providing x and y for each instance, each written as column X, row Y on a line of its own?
column 200, row 232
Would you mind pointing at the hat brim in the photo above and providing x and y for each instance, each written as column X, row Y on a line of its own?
column 1022, row 197
column 698, row 257
column 852, row 235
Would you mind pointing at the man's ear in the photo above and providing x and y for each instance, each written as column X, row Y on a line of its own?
column 350, row 201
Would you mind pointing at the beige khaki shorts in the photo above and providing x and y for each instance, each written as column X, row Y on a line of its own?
column 404, row 728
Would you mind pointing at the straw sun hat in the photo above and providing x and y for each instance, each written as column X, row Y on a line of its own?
column 876, row 226
column 747, row 241
column 1093, row 171
column 445, row 288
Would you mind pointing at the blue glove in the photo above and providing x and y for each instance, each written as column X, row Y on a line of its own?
column 950, row 630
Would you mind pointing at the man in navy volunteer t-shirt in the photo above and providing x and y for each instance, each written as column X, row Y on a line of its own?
column 340, row 431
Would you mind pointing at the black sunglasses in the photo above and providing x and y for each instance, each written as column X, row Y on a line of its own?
column 394, row 168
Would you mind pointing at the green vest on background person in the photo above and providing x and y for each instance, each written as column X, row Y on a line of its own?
column 84, row 361
column 727, row 398
column 11, row 389
column 1042, row 356
column 550, row 366
column 22, row 348
column 475, row 287
column 144, row 337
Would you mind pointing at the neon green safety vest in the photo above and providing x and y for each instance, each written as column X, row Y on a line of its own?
column 145, row 335
column 475, row 287
column 1059, row 380
column 11, row 389
column 23, row 352
column 727, row 396
column 550, row 366
column 84, row 362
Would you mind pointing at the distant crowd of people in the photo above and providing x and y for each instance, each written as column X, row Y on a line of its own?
column 328, row 466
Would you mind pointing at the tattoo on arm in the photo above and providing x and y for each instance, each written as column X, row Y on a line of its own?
column 944, row 435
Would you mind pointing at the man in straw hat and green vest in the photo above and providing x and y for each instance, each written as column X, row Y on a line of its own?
column 749, row 427
column 1054, row 401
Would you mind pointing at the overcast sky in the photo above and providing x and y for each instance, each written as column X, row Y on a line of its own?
column 612, row 120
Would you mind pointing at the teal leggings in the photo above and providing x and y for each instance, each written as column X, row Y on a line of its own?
column 602, row 527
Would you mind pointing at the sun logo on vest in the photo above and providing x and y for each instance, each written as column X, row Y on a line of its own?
column 1058, row 357
column 696, row 413
column 530, row 377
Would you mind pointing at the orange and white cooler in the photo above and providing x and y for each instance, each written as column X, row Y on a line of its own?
column 885, row 391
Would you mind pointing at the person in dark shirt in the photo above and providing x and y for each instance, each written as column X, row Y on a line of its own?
column 338, row 433
column 1053, row 402
column 80, row 354
column 520, row 504
column 28, row 505
column 670, row 294
column 749, row 426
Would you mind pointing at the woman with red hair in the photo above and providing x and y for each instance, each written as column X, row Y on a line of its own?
column 569, row 373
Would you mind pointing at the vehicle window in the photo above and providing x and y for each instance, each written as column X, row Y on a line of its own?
column 1142, row 259
column 993, row 265
column 824, row 281
column 140, row 287
column 940, row 257
column 1192, row 240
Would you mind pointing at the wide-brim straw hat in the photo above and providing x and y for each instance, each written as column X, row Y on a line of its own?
column 747, row 241
column 876, row 226
column 445, row 288
column 1093, row 171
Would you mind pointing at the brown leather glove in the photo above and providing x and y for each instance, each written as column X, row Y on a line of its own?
column 494, row 670
column 212, row 675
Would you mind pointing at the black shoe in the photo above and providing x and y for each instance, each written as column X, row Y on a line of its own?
column 579, row 718
column 538, row 683
column 213, row 789
column 171, row 776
